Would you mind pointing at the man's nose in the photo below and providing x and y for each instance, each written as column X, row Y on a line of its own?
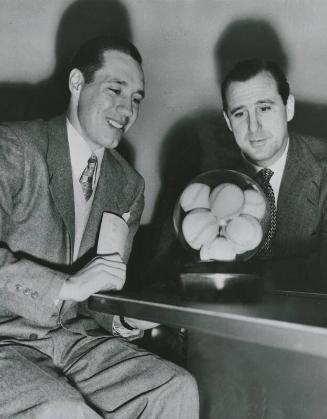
column 125, row 107
column 253, row 122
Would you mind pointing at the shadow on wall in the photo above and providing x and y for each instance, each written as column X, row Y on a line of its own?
column 202, row 142
column 82, row 20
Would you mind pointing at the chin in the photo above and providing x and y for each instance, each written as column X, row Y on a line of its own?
column 260, row 155
column 112, row 143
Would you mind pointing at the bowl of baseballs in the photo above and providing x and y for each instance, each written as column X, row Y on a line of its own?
column 222, row 215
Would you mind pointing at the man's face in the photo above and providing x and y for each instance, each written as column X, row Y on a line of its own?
column 258, row 118
column 103, row 110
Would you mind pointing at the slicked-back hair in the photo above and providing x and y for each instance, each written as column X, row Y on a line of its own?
column 90, row 56
column 247, row 69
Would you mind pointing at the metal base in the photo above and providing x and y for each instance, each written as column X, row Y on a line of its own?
column 215, row 280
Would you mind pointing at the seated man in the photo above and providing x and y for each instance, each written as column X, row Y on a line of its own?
column 257, row 108
column 58, row 177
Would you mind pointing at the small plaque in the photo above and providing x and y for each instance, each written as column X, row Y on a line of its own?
column 113, row 235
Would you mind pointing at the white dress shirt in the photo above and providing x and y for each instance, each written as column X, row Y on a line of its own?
column 278, row 168
column 80, row 153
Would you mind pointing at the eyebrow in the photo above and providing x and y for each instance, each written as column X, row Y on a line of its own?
column 259, row 102
column 270, row 101
column 124, row 83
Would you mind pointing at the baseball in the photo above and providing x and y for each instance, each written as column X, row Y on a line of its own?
column 220, row 249
column 226, row 200
column 254, row 204
column 199, row 227
column 194, row 196
column 244, row 232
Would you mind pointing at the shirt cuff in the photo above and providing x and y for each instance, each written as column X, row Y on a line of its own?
column 119, row 330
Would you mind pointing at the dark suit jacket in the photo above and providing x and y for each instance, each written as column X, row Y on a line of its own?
column 299, row 254
column 299, row 257
column 37, row 225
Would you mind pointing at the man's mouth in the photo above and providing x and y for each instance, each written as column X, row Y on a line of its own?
column 115, row 124
column 258, row 142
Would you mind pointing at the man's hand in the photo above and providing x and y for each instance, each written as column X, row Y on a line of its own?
column 140, row 324
column 103, row 273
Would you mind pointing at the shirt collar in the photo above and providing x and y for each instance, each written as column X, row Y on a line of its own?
column 277, row 167
column 80, row 151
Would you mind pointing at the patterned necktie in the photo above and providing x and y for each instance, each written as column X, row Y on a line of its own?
column 263, row 178
column 86, row 179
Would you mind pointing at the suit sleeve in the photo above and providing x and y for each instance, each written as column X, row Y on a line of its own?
column 27, row 288
column 322, row 274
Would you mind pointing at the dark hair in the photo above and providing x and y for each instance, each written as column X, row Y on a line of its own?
column 89, row 57
column 245, row 70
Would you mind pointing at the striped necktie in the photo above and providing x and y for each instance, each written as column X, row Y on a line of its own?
column 263, row 178
column 87, row 177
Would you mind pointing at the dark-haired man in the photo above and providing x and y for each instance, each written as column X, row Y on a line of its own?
column 257, row 108
column 57, row 179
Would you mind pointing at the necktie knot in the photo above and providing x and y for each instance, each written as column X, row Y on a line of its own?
column 87, row 177
column 264, row 176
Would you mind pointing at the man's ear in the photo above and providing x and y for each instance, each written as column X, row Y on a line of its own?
column 290, row 107
column 76, row 81
column 227, row 121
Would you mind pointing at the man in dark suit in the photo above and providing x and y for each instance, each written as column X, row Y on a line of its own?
column 257, row 107
column 57, row 358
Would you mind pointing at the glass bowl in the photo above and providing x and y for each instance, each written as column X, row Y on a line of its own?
column 222, row 215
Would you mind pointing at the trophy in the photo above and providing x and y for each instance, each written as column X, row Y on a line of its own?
column 221, row 218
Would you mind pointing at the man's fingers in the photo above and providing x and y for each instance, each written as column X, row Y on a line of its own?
column 112, row 257
column 114, row 281
column 103, row 264
column 106, row 261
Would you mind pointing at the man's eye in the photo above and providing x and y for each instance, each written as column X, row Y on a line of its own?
column 238, row 114
column 115, row 91
column 265, row 108
column 137, row 100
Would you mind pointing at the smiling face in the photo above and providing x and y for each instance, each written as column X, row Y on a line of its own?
column 104, row 109
column 258, row 118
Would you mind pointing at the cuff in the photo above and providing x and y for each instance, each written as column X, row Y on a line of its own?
column 118, row 329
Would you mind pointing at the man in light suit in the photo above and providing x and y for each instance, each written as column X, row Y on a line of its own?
column 57, row 178
column 257, row 108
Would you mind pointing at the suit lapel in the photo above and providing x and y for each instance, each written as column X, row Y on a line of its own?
column 297, row 200
column 60, row 172
column 109, row 197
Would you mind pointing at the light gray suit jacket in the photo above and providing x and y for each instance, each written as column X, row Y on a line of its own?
column 37, row 226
